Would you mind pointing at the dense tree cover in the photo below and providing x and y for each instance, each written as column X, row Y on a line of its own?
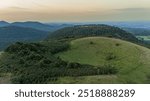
column 93, row 30
column 36, row 63
column 55, row 46
column 96, row 30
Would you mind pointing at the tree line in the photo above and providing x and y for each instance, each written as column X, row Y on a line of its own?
column 37, row 63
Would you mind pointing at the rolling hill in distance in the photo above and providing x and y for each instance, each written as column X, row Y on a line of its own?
column 134, row 24
column 25, row 31
column 49, row 27
column 35, row 25
column 12, row 34
column 78, row 54
column 3, row 23
column 93, row 30
column 141, row 33
column 97, row 30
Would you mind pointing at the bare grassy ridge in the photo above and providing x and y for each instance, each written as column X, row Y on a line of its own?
column 133, row 61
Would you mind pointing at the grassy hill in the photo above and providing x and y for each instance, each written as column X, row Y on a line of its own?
column 133, row 61
column 79, row 54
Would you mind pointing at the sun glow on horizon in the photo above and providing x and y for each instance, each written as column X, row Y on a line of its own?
column 5, row 4
column 74, row 10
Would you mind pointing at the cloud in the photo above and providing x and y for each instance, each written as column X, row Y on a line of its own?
column 14, row 9
column 17, row 8
column 133, row 9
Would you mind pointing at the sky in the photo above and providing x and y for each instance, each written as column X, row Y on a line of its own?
column 74, row 10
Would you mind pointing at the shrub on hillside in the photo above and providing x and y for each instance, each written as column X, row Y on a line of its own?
column 110, row 56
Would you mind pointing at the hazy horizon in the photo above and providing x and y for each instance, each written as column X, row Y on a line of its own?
column 75, row 10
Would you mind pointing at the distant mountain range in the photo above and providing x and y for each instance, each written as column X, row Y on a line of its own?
column 36, row 25
column 25, row 31
column 11, row 34
column 144, row 25
column 3, row 23
column 50, row 27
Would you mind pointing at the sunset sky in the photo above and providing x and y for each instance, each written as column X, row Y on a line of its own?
column 74, row 10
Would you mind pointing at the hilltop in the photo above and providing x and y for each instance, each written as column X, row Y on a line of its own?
column 132, row 60
column 92, row 30
column 96, row 30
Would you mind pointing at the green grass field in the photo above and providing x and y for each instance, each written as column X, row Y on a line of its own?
column 132, row 61
column 145, row 38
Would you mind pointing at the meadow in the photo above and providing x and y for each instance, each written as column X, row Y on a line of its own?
column 133, row 61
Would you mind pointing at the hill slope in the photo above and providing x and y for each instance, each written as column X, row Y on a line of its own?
column 40, row 26
column 3, row 23
column 93, row 30
column 133, row 61
column 11, row 34
column 49, row 27
column 35, row 25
